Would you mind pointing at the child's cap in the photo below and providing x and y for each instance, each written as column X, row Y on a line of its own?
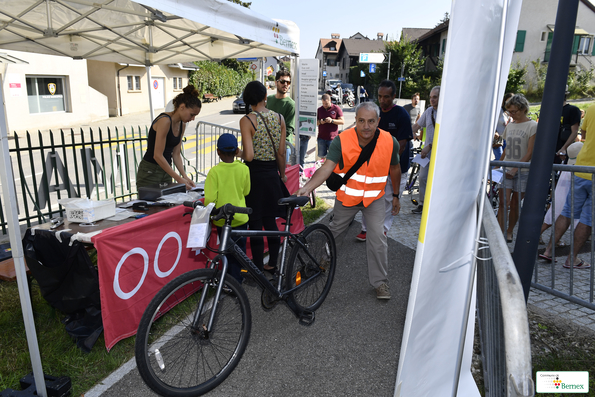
column 227, row 143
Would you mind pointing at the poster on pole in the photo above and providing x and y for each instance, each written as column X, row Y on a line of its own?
column 308, row 99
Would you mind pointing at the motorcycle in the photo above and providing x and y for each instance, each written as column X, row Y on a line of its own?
column 349, row 98
column 334, row 96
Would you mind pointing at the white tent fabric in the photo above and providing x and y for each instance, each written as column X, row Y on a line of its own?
column 147, row 32
column 473, row 82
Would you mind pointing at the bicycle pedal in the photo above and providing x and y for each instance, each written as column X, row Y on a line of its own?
column 307, row 318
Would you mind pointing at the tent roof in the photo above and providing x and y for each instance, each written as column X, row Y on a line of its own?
column 146, row 32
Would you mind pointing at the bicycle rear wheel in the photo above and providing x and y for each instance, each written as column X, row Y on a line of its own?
column 176, row 358
column 315, row 266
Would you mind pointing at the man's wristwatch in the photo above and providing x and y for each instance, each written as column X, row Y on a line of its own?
column 396, row 195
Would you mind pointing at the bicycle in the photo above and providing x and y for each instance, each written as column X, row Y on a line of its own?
column 190, row 349
column 413, row 174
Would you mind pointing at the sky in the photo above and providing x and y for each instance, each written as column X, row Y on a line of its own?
column 317, row 20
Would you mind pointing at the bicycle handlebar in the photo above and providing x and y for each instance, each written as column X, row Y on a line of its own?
column 221, row 212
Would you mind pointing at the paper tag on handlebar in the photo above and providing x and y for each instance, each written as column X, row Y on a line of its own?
column 200, row 227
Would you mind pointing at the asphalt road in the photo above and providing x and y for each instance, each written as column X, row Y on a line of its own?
column 352, row 349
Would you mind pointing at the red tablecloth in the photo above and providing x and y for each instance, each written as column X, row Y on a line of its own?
column 137, row 259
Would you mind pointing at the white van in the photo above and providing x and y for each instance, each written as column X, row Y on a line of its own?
column 331, row 83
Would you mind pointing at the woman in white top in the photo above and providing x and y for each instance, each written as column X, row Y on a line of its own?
column 520, row 138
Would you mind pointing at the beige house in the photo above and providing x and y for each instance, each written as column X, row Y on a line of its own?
column 51, row 92
column 127, row 89
column 43, row 91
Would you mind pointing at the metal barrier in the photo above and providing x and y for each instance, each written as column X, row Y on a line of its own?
column 502, row 314
column 550, row 278
column 96, row 164
column 204, row 147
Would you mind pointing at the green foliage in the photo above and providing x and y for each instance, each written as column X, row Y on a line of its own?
column 218, row 80
column 579, row 83
column 516, row 78
column 234, row 64
column 242, row 3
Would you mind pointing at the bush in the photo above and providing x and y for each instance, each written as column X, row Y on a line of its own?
column 516, row 78
column 218, row 80
column 579, row 83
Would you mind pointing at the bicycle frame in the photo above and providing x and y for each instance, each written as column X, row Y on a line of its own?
column 226, row 235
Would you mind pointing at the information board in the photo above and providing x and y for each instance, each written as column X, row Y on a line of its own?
column 308, row 100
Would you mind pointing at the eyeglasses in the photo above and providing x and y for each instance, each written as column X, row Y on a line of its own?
column 284, row 82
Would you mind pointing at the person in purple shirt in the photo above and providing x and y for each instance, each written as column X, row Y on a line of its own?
column 329, row 118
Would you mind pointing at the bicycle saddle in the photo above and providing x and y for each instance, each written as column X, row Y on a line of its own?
column 294, row 200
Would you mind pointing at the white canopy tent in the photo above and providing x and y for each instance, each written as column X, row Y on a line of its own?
column 147, row 32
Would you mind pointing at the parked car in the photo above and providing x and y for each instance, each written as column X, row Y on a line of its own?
column 332, row 84
column 347, row 86
column 238, row 105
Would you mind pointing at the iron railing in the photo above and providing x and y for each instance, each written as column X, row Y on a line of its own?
column 502, row 315
column 98, row 164
column 573, row 285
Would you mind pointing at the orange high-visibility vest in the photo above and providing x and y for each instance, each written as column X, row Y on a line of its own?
column 369, row 181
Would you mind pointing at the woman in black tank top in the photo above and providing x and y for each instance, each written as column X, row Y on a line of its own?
column 165, row 143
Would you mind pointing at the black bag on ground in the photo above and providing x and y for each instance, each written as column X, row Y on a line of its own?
column 335, row 181
column 68, row 282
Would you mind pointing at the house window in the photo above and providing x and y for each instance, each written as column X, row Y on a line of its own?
column 331, row 62
column 520, row 41
column 443, row 45
column 584, row 44
column 543, row 36
column 133, row 83
column 177, row 83
column 46, row 94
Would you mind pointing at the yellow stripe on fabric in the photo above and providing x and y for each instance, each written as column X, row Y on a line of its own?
column 424, row 215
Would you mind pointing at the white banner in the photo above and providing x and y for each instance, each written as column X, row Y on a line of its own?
column 444, row 260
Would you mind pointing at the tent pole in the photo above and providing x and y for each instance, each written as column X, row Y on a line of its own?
column 150, row 92
column 296, row 97
column 12, row 217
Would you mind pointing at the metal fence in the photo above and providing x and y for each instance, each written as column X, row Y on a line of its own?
column 571, row 284
column 99, row 164
column 502, row 316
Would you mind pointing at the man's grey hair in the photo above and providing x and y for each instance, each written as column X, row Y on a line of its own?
column 436, row 88
column 368, row 106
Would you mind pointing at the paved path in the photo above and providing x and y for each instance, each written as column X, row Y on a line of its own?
column 353, row 347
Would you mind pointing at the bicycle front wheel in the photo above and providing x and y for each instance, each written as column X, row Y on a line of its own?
column 312, row 265
column 175, row 353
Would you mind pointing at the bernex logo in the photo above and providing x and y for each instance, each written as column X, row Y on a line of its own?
column 280, row 40
column 562, row 382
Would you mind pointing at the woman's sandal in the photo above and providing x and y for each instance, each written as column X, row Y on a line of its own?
column 545, row 257
column 581, row 265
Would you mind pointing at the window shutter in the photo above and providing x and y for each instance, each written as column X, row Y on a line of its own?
column 575, row 43
column 520, row 41
column 548, row 47
column 593, row 52
column 443, row 45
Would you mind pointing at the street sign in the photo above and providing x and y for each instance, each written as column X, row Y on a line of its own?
column 371, row 57
column 401, row 79
column 324, row 73
column 362, row 74
column 372, row 68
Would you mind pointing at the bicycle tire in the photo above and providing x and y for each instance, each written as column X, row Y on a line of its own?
column 320, row 243
column 193, row 362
